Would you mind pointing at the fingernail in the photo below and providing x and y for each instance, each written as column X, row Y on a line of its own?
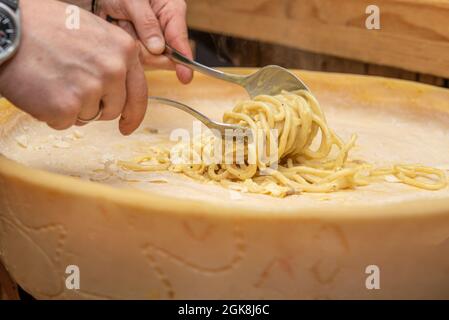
column 155, row 45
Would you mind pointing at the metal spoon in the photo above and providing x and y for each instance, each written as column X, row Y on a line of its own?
column 233, row 130
column 270, row 80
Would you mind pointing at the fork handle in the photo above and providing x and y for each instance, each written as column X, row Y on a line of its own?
column 178, row 57
column 208, row 122
column 211, row 124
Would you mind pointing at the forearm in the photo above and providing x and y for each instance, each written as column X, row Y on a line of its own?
column 85, row 4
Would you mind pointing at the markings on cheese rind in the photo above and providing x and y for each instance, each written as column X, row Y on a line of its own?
column 56, row 259
column 20, row 273
column 240, row 251
column 338, row 232
column 149, row 249
column 324, row 272
column 195, row 233
column 159, row 272
column 324, row 277
column 285, row 265
column 16, row 208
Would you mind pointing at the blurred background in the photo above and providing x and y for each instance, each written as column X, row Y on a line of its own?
column 326, row 35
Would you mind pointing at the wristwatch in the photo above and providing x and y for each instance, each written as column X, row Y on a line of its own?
column 9, row 28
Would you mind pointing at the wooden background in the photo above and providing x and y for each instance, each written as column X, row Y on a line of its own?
column 330, row 35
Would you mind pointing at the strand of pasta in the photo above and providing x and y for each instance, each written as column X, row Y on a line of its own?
column 299, row 121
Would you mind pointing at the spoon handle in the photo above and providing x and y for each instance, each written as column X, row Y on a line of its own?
column 178, row 57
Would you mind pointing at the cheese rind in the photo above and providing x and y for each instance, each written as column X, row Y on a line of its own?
column 130, row 244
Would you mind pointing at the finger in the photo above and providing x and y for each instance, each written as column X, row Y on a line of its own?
column 62, row 123
column 92, row 109
column 128, row 27
column 111, row 9
column 90, row 105
column 114, row 100
column 146, row 25
column 150, row 61
column 137, row 99
column 176, row 35
column 185, row 75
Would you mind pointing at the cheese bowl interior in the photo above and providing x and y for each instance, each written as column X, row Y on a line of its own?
column 163, row 235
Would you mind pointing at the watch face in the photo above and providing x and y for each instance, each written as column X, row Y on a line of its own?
column 8, row 30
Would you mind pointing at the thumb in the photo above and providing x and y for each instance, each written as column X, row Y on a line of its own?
column 147, row 25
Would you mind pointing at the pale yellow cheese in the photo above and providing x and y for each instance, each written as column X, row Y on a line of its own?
column 162, row 235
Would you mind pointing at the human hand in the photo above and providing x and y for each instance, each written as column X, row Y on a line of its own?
column 153, row 22
column 60, row 75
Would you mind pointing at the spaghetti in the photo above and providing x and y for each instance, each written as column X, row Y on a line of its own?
column 300, row 124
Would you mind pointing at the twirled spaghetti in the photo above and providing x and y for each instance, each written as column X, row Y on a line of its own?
column 300, row 123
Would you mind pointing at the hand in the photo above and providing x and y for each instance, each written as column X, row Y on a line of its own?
column 153, row 22
column 60, row 75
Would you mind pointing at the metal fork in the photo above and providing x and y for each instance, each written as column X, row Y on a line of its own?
column 270, row 80
column 211, row 124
